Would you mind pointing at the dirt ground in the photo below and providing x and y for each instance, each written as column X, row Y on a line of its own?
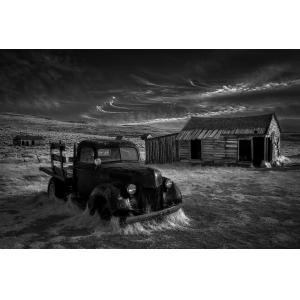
column 224, row 207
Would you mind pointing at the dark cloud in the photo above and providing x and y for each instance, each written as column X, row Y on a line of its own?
column 143, row 85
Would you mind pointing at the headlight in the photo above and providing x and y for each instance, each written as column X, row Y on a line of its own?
column 131, row 189
column 168, row 183
column 158, row 178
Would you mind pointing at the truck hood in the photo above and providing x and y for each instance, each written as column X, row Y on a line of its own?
column 132, row 172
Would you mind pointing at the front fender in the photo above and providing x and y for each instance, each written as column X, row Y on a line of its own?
column 111, row 195
column 173, row 194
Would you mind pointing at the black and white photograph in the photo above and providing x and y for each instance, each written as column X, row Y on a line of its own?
column 149, row 150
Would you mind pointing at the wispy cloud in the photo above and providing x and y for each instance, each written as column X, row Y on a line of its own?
column 153, row 88
column 247, row 88
column 213, row 113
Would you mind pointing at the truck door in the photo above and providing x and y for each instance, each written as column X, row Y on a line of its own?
column 85, row 171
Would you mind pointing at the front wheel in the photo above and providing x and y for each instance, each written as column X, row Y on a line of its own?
column 100, row 204
column 100, row 201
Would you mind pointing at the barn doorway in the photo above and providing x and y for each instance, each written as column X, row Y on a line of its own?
column 196, row 149
column 32, row 143
column 244, row 150
column 258, row 150
column 269, row 149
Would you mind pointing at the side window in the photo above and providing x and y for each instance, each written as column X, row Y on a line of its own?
column 87, row 155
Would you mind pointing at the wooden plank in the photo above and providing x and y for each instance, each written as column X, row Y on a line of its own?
column 265, row 152
column 55, row 172
column 252, row 155
column 59, row 158
column 59, row 146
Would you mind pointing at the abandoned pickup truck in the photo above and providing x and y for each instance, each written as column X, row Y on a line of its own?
column 107, row 177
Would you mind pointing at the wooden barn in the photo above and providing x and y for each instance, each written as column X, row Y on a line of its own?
column 240, row 140
column 161, row 149
column 27, row 140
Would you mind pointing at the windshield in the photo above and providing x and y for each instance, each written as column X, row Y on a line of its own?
column 116, row 154
column 128, row 153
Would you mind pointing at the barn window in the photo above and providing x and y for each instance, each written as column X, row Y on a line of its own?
column 196, row 149
column 244, row 150
column 32, row 143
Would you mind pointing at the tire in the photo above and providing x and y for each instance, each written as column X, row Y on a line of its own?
column 100, row 205
column 100, row 202
column 104, row 210
column 56, row 189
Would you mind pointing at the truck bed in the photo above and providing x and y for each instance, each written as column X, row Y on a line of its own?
column 63, row 174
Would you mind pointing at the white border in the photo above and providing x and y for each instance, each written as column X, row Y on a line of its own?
column 149, row 24
column 173, row 274
column 149, row 274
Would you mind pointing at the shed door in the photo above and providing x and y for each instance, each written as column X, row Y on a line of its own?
column 244, row 150
column 258, row 150
column 196, row 149
column 269, row 145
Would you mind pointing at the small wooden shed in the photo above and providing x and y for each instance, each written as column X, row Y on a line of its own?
column 28, row 140
column 236, row 140
column 241, row 140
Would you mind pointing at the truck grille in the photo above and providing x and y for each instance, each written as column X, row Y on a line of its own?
column 151, row 199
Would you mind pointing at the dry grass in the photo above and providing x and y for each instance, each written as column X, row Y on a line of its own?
column 226, row 208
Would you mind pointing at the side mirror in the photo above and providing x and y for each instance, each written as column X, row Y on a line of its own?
column 97, row 162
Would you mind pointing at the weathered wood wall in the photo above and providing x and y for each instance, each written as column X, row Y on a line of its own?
column 162, row 149
column 219, row 150
column 274, row 133
column 224, row 149
column 231, row 149
column 184, row 150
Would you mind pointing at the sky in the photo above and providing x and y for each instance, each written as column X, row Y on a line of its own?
column 150, row 86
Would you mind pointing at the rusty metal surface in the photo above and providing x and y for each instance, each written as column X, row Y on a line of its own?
column 217, row 133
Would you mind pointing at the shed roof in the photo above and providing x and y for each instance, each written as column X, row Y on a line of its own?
column 199, row 128
column 163, row 136
column 28, row 137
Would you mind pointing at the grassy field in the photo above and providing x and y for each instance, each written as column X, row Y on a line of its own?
column 224, row 207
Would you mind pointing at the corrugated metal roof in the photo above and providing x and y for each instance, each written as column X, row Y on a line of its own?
column 198, row 134
column 162, row 136
column 200, row 128
column 260, row 121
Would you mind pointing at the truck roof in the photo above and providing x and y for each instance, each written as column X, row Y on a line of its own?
column 107, row 143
